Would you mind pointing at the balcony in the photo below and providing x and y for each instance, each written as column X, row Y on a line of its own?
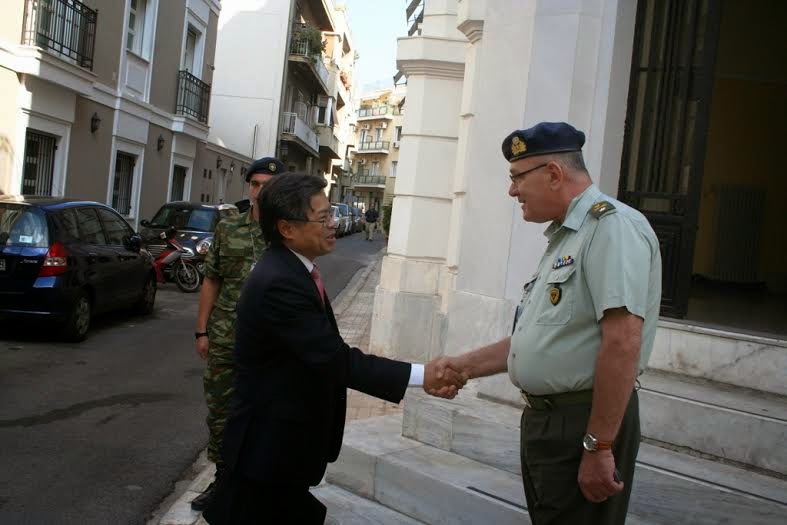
column 375, row 113
column 294, row 128
column 362, row 179
column 329, row 142
column 193, row 97
column 374, row 146
column 305, row 57
column 66, row 28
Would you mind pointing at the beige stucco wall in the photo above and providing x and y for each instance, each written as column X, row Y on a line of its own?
column 109, row 41
column 11, row 21
column 166, row 63
column 90, row 153
column 210, row 49
column 9, row 87
column 157, row 170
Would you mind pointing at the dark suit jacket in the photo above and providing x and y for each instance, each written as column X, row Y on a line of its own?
column 293, row 369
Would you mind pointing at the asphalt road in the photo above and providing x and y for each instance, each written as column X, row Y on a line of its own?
column 98, row 432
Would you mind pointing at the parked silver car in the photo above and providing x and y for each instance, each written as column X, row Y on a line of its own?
column 344, row 226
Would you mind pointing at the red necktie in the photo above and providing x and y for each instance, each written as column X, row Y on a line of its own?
column 318, row 282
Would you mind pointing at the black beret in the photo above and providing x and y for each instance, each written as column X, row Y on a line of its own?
column 265, row 165
column 541, row 139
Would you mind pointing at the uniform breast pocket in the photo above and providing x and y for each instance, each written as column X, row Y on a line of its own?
column 232, row 261
column 557, row 304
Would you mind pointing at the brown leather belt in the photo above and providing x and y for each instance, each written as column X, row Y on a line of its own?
column 551, row 401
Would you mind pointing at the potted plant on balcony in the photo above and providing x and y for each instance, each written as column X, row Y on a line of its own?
column 313, row 38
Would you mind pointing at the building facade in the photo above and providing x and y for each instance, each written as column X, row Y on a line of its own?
column 294, row 100
column 112, row 108
column 375, row 159
column 675, row 99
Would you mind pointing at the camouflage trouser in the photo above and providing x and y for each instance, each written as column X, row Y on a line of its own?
column 218, row 380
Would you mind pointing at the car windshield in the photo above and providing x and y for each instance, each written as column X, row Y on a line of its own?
column 182, row 218
column 23, row 226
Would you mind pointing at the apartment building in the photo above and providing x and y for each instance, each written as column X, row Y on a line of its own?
column 296, row 100
column 375, row 159
column 108, row 100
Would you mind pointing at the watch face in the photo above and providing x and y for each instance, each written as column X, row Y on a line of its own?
column 589, row 442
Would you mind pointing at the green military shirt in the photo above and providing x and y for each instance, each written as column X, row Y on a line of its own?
column 601, row 257
column 236, row 247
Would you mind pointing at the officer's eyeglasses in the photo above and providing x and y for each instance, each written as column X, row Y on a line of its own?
column 517, row 176
column 327, row 222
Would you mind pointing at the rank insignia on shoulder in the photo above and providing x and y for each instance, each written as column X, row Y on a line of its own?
column 600, row 208
column 560, row 262
column 554, row 295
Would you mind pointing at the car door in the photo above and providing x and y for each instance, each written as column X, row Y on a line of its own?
column 128, row 265
column 98, row 259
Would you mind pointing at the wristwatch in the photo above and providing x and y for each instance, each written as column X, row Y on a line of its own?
column 591, row 444
column 197, row 335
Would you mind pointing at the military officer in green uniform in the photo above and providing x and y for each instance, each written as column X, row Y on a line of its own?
column 584, row 330
column 236, row 247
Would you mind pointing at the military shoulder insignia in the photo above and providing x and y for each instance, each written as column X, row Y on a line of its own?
column 272, row 167
column 601, row 208
column 518, row 146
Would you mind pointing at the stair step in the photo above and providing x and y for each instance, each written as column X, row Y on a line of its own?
column 729, row 422
column 347, row 508
column 425, row 483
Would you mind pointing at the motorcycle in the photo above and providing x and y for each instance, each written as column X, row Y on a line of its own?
column 175, row 264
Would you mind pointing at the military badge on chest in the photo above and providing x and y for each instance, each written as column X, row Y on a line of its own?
column 555, row 294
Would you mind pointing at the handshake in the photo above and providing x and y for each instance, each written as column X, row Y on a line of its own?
column 444, row 377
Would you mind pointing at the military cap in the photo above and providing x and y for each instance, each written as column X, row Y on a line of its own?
column 542, row 139
column 266, row 166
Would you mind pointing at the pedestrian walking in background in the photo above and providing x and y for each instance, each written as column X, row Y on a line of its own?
column 371, row 216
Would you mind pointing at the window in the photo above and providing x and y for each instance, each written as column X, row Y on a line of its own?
column 23, row 226
column 363, row 136
column 124, row 180
column 190, row 50
column 378, row 134
column 178, row 183
column 116, row 230
column 70, row 223
column 89, row 226
column 393, row 168
column 375, row 165
column 398, row 133
column 39, row 164
column 136, row 26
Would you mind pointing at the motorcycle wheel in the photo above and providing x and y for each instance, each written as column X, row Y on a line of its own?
column 187, row 277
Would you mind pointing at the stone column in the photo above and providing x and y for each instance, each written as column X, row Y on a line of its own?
column 408, row 322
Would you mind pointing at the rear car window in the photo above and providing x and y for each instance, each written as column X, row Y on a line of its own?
column 182, row 218
column 89, row 227
column 116, row 229
column 22, row 225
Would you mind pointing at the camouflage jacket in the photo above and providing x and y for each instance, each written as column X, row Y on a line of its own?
column 237, row 245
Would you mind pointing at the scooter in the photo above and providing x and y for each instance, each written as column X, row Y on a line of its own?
column 175, row 264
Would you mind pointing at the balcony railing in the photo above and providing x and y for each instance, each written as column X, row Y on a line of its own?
column 369, row 180
column 375, row 145
column 64, row 27
column 373, row 112
column 301, row 48
column 193, row 97
column 292, row 124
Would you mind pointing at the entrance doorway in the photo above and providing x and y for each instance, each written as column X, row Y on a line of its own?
column 701, row 157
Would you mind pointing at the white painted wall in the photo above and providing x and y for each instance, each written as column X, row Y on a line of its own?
column 251, row 51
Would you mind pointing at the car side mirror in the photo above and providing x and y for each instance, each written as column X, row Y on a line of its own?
column 134, row 243
column 145, row 223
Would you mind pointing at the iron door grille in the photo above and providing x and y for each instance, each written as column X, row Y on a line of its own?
column 39, row 164
column 124, row 180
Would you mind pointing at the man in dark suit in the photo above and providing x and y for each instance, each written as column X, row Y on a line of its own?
column 293, row 369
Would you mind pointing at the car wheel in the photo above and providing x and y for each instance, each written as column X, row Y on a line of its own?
column 147, row 301
column 78, row 322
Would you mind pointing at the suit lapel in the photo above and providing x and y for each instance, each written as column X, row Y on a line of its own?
column 294, row 264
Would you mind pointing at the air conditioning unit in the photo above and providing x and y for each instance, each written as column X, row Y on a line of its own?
column 362, row 162
column 366, row 127
column 396, row 144
column 383, row 125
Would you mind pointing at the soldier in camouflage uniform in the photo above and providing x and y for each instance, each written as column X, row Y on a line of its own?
column 236, row 247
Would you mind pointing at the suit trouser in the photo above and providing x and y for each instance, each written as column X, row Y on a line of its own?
column 551, row 451
column 240, row 500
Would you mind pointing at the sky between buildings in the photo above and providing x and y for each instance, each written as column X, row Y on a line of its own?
column 375, row 26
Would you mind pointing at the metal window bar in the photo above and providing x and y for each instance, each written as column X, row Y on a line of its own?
column 124, row 179
column 193, row 97
column 39, row 164
column 64, row 27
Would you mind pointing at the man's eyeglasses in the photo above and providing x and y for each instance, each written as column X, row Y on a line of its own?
column 326, row 222
column 517, row 176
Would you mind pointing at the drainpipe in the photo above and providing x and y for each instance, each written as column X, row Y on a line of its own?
column 284, row 77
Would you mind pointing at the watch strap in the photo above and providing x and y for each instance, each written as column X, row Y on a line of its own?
column 197, row 335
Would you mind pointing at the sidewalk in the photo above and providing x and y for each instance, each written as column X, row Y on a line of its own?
column 353, row 310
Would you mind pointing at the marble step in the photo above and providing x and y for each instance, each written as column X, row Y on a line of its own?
column 423, row 482
column 346, row 508
column 728, row 422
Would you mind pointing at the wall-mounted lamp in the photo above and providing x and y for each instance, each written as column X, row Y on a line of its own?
column 95, row 122
column 232, row 167
column 160, row 143
column 218, row 162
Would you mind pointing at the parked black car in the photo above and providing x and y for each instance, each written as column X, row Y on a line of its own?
column 194, row 223
column 64, row 260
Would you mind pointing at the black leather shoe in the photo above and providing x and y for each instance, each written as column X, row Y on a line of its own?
column 202, row 501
